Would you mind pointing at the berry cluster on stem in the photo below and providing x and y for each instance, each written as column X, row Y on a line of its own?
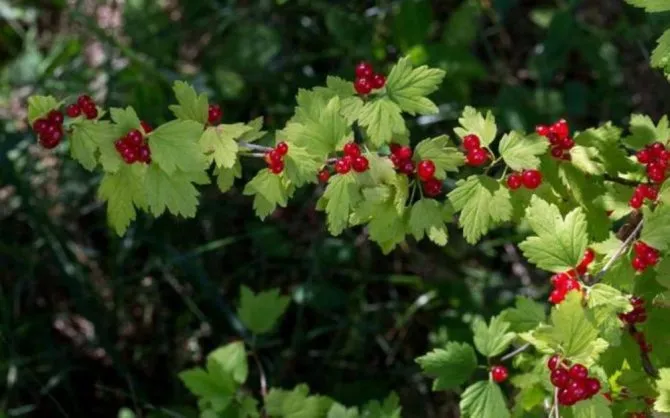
column 656, row 159
column 567, row 281
column 366, row 79
column 275, row 157
column 558, row 135
column 133, row 147
column 530, row 179
column 49, row 130
column 638, row 315
column 475, row 155
column 352, row 158
column 642, row 192
column 645, row 256
column 573, row 382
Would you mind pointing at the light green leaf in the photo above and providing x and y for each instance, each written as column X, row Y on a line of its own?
column 483, row 203
column 342, row 194
column 408, row 87
column 382, row 120
column 526, row 314
column 125, row 119
column 603, row 295
column 390, row 408
column 445, row 158
column 90, row 137
column 483, row 400
column 217, row 391
column 572, row 327
column 596, row 407
column 225, row 177
column 473, row 122
column 255, row 132
column 230, row 359
column 174, row 192
column 340, row 411
column 451, row 366
column 268, row 190
column 260, row 311
column 174, row 146
column 340, row 87
column 296, row 403
column 301, row 166
column 660, row 57
column 493, row 339
column 521, row 152
column 656, row 228
column 218, row 143
column 351, row 108
column 427, row 218
column 321, row 132
column 644, row 131
column 651, row 6
column 560, row 242
column 39, row 106
column 662, row 403
column 123, row 191
column 191, row 105
column 387, row 226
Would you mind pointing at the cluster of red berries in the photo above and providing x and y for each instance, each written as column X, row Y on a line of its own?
column 49, row 130
column 530, row 179
column 275, row 157
column 638, row 315
column 567, row 281
column 352, row 158
column 475, row 155
column 656, row 158
column 574, row 383
column 214, row 114
column 645, row 256
column 133, row 147
column 85, row 105
column 640, row 339
column 558, row 135
column 499, row 373
column 366, row 79
column 401, row 157
column 643, row 191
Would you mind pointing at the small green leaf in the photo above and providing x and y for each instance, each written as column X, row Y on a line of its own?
column 662, row 403
column 255, row 132
column 572, row 328
column 39, row 106
column 301, row 167
column 427, row 217
column 656, row 228
column 217, row 391
column 225, row 177
column 260, row 311
column 660, row 56
column 218, row 143
column 342, row 194
column 603, row 295
column 651, row 6
column 473, row 122
column 408, row 87
column 445, row 157
column 521, row 152
column 644, row 131
column 451, row 366
column 560, row 242
column 483, row 400
column 268, row 190
column 230, row 359
column 493, row 339
column 321, row 131
column 382, row 119
column 596, row 407
column 88, row 137
column 296, row 403
column 174, row 192
column 125, row 119
column 174, row 145
column 390, row 408
column 340, row 411
column 191, row 105
column 123, row 191
column 526, row 314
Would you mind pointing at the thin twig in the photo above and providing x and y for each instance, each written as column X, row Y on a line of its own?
column 555, row 411
column 618, row 180
column 254, row 147
column 518, row 350
column 261, row 371
column 624, row 245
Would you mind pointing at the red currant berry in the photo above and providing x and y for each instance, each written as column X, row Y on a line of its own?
column 572, row 284
column 274, row 156
column 655, row 173
column 324, row 175
column 432, row 187
column 342, row 166
column 135, row 138
column 90, row 112
column 282, row 148
column 560, row 280
column 651, row 257
column 425, row 170
column 277, row 167
column 561, row 129
column 556, row 152
column 556, row 296
column 657, row 148
column 84, row 100
column 639, row 264
column 147, row 128
column 352, row 149
column 360, row 164
column 542, row 130
column 394, row 147
column 120, row 145
column 514, row 181
column 214, row 114
column 578, row 390
column 395, row 160
column 378, row 81
column 404, row 153
column 471, row 142
column 651, row 193
column 499, row 373
column 567, row 143
column 129, row 155
column 640, row 247
column 553, row 362
column 589, row 256
column 362, row 86
column 144, row 154
column 566, row 397
column 578, row 372
column 532, row 179
column 559, row 377
column 643, row 156
column 635, row 202
column 73, row 110
column 407, row 167
column 477, row 157
column 55, row 117
column 592, row 386
column 40, row 125
column 364, row 70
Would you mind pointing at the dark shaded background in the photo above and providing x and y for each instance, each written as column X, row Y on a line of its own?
column 92, row 322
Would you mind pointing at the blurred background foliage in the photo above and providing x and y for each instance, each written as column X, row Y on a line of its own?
column 92, row 322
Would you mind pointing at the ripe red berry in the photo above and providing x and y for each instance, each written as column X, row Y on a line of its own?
column 404, row 152
column 395, row 160
column 514, row 181
column 651, row 192
column 129, row 155
column 425, row 170
column 324, row 175
column 282, row 148
column 639, row 263
column 559, row 377
column 378, row 81
column 566, row 397
column 640, row 247
column 407, row 167
column 277, row 167
column 556, row 296
column 360, row 164
column 578, row 390
column 643, row 156
column 364, row 70
column 274, row 157
column 120, row 145
column 656, row 149
column 553, row 362
column 556, row 152
column 362, row 86
column 40, row 125
column 589, row 256
column 55, row 117
column 560, row 280
column 342, row 166
column 578, row 372
column 542, row 130
column 655, row 173
column 651, row 257
column 352, row 149
column 560, row 129
column 592, row 386
column 477, row 157
column 635, row 202
column 147, row 128
column 73, row 110
column 135, row 138
column 144, row 154
column 84, row 100
column 499, row 373
column 432, row 187
column 531, row 179
column 567, row 143
column 214, row 114
column 471, row 142
column 90, row 112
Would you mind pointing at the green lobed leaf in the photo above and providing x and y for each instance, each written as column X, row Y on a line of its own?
column 451, row 366
column 191, row 105
column 656, row 227
column 255, row 132
column 483, row 400
column 231, row 360
column 93, row 140
column 493, row 339
column 390, row 408
column 260, row 311
column 39, row 106
column 123, row 191
column 427, row 217
column 445, row 157
column 340, row 411
column 387, row 226
column 660, row 56
column 573, row 328
column 382, row 119
column 596, row 407
column 525, row 315
column 218, row 143
column 408, row 86
column 174, row 146
column 296, row 403
column 175, row 192
column 601, row 294
column 321, row 129
column 662, row 403
column 215, row 391
column 560, row 242
column 473, row 122
column 301, row 166
column 125, row 119
column 268, row 190
column 651, row 6
column 225, row 177
column 342, row 194
column 483, row 203
column 521, row 152
column 644, row 131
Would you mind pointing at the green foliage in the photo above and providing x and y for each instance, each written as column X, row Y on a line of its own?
column 446, row 158
column 662, row 403
column 428, row 217
column 269, row 190
column 192, row 106
column 484, row 400
column 341, row 195
column 39, row 106
column 521, row 152
column 174, row 146
column 493, row 339
column 451, row 366
column 296, row 403
column 124, row 192
column 260, row 312
column 656, row 228
column 474, row 123
column 526, row 315
column 408, row 86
